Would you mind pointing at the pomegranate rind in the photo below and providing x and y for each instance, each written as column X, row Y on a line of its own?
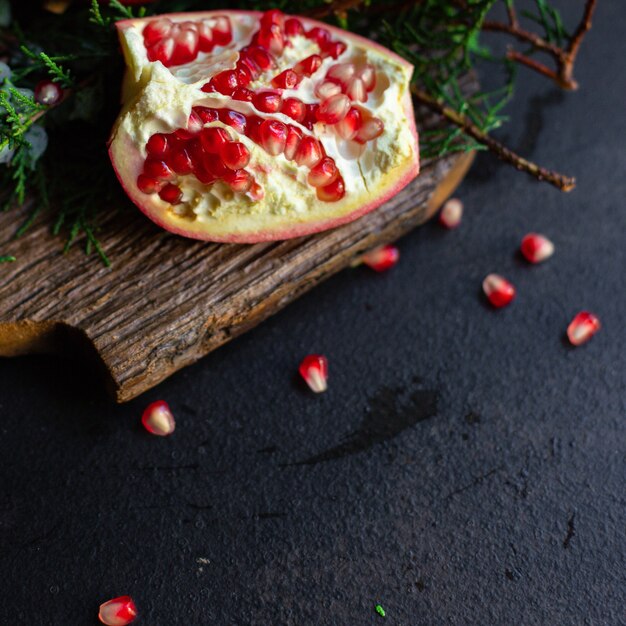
column 148, row 85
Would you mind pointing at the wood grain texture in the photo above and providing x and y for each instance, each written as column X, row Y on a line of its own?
column 167, row 301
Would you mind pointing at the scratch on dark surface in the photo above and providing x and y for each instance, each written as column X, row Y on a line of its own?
column 391, row 411
column 571, row 531
column 476, row 481
column 169, row 468
column 270, row 515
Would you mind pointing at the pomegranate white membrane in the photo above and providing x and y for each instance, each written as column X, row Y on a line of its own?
column 245, row 127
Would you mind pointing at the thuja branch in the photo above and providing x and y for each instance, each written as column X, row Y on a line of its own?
column 564, row 183
column 564, row 57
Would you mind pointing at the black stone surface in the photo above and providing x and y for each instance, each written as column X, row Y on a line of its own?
column 465, row 466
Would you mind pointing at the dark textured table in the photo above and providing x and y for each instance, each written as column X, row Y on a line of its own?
column 466, row 466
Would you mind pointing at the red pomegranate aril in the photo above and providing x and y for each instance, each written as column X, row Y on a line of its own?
column 213, row 139
column 309, row 152
column 162, row 51
column 182, row 134
column 158, row 419
column 342, row 72
column 499, row 290
column 368, row 76
column 273, row 16
column 311, row 115
column 181, row 162
column 48, row 93
column 222, row 31
column 370, row 129
column 171, row 193
column 356, row 90
column 309, row 66
column 157, row 145
column 246, row 59
column 194, row 123
column 294, row 137
column 536, row 248
column 267, row 101
column 186, row 47
column 156, row 30
column 239, row 180
column 293, row 27
column 206, row 114
column 327, row 89
column 583, row 327
column 451, row 213
column 225, row 82
column 294, row 108
column 271, row 38
column 286, row 80
column 319, row 35
column 382, row 258
column 155, row 168
column 314, row 370
column 252, row 127
column 273, row 135
column 118, row 611
column 333, row 109
column 260, row 57
column 213, row 165
column 350, row 124
column 234, row 119
column 209, row 88
column 243, row 94
column 146, row 184
column 324, row 173
column 333, row 192
column 205, row 36
column 244, row 75
column 334, row 49
column 235, row 155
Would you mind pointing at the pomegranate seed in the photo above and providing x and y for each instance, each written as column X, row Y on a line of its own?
column 243, row 94
column 294, row 108
column 205, row 36
column 536, row 248
column 311, row 115
column 343, row 72
column 171, row 193
column 225, row 82
column 234, row 119
column 118, row 612
column 314, row 370
column 213, row 139
column 194, row 123
column 324, row 173
column 356, row 90
column 162, row 51
column 273, row 16
column 182, row 134
column 214, row 166
column 333, row 109
column 156, row 30
column 239, row 180
column 257, row 192
column 261, row 58
column 235, row 155
column 271, row 38
column 244, row 75
column 181, row 162
column 222, row 31
column 451, row 213
column 370, row 129
column 155, row 168
column 368, row 76
column 48, row 93
column 294, row 137
column 186, row 47
column 252, row 127
column 333, row 192
column 382, row 258
column 157, row 419
column 334, row 49
column 327, row 89
column 206, row 114
column 319, row 35
column 499, row 290
column 273, row 135
column 246, row 59
column 267, row 101
column 293, row 27
column 582, row 328
column 147, row 184
column 309, row 66
column 309, row 152
column 157, row 145
column 286, row 80
column 350, row 124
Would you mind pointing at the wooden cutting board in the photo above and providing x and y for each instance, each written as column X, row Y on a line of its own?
column 167, row 301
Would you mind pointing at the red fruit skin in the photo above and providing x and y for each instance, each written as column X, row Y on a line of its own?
column 398, row 180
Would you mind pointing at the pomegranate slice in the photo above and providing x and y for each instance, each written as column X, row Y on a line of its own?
column 244, row 127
